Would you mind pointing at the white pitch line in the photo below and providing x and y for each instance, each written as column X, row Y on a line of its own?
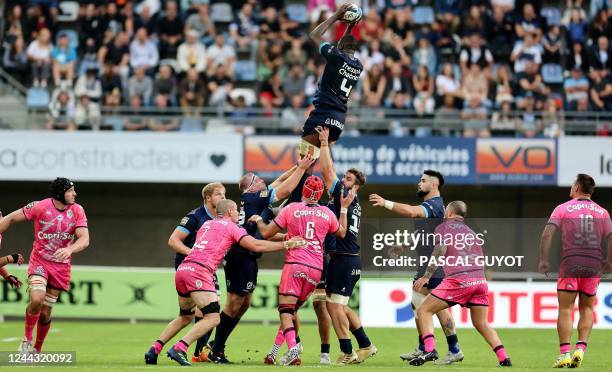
column 10, row 339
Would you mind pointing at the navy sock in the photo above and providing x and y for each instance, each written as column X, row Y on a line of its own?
column 223, row 330
column 297, row 339
column 325, row 348
column 421, row 344
column 453, row 344
column 362, row 338
column 345, row 345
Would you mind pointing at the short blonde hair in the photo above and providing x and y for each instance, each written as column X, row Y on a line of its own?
column 209, row 189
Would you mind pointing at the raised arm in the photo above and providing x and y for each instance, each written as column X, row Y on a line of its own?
column 267, row 230
column 317, row 34
column 327, row 166
column 545, row 243
column 345, row 201
column 406, row 210
column 283, row 176
column 287, row 186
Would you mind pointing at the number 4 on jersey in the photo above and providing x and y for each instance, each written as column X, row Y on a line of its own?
column 344, row 88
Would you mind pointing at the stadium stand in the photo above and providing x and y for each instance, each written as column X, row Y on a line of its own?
column 256, row 44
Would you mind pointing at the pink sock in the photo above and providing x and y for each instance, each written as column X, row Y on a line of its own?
column 30, row 322
column 430, row 342
column 565, row 347
column 501, row 353
column 181, row 346
column 581, row 345
column 158, row 345
column 41, row 334
column 280, row 337
column 290, row 337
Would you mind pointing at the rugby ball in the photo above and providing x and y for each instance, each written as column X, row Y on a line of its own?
column 353, row 14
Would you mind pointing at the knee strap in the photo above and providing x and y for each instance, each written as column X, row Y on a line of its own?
column 211, row 308
column 286, row 309
column 335, row 298
column 37, row 283
column 49, row 300
column 186, row 311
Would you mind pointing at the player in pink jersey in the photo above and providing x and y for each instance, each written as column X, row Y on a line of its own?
column 303, row 266
column 585, row 228
column 60, row 229
column 464, row 283
column 194, row 278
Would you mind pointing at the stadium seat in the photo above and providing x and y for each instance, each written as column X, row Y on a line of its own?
column 297, row 13
column 245, row 70
column 191, row 125
column 37, row 98
column 250, row 98
column 552, row 73
column 221, row 12
column 552, row 15
column 423, row 15
column 115, row 122
column 69, row 11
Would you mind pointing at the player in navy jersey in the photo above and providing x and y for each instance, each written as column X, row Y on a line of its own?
column 340, row 76
column 344, row 268
column 241, row 264
column 430, row 214
column 182, row 239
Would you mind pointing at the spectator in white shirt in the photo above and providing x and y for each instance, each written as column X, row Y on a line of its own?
column 39, row 54
column 143, row 52
column 221, row 54
column 526, row 50
column 191, row 53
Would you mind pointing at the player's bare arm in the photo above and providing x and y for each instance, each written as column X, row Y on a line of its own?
column 264, row 246
column 283, row 177
column 82, row 242
column 405, row 210
column 286, row 187
column 13, row 217
column 176, row 242
column 327, row 167
column 317, row 34
column 608, row 267
column 11, row 279
column 438, row 251
column 545, row 243
column 345, row 201
column 267, row 230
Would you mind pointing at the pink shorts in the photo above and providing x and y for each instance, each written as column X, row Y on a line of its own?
column 587, row 286
column 57, row 274
column 191, row 277
column 298, row 281
column 464, row 292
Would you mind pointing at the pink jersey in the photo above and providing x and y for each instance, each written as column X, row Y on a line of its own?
column 53, row 229
column 584, row 225
column 312, row 222
column 463, row 247
column 213, row 240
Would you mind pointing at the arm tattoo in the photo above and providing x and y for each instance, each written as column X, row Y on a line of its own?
column 439, row 250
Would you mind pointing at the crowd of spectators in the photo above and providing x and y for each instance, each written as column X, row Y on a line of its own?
column 474, row 61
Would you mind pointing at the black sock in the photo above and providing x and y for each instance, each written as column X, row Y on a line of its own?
column 453, row 344
column 362, row 338
column 421, row 344
column 201, row 343
column 325, row 348
column 345, row 345
column 223, row 330
column 297, row 339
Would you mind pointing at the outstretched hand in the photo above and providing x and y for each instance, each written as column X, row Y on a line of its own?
column 377, row 200
column 306, row 162
column 323, row 133
column 342, row 9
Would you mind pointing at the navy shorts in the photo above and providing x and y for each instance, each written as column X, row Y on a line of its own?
column 332, row 119
column 178, row 260
column 323, row 281
column 343, row 273
column 240, row 272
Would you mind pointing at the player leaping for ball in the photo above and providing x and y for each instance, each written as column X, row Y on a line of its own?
column 340, row 76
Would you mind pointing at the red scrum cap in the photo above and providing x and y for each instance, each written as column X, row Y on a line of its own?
column 313, row 189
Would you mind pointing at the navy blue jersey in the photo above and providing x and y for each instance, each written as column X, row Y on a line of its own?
column 252, row 203
column 190, row 224
column 339, row 78
column 434, row 215
column 350, row 243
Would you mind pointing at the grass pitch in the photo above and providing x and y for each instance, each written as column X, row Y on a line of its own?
column 121, row 346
